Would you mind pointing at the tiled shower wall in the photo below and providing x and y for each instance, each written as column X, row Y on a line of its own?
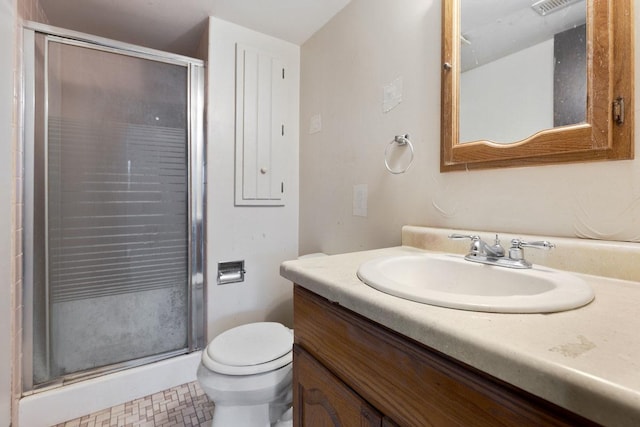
column 30, row 10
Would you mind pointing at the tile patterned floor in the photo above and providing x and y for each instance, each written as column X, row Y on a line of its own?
column 182, row 406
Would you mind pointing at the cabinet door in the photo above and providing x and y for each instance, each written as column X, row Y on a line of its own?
column 320, row 399
column 262, row 139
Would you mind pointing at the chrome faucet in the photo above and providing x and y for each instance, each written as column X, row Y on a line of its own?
column 484, row 253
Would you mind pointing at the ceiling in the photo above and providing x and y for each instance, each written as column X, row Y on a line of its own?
column 493, row 28
column 177, row 25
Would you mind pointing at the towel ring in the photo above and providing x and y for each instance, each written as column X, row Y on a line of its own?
column 401, row 140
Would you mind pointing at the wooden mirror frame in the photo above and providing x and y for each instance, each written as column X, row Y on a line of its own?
column 610, row 85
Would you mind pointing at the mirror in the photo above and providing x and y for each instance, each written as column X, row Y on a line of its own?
column 570, row 100
column 503, row 98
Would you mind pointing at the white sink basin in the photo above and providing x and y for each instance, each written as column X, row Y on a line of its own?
column 451, row 281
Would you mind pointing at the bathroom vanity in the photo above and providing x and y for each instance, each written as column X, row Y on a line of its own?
column 351, row 371
column 362, row 357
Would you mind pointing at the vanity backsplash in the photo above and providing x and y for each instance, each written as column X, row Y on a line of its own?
column 617, row 260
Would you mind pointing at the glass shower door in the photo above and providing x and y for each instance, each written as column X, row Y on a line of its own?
column 114, row 266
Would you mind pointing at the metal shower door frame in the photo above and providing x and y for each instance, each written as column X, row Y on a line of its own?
column 196, row 152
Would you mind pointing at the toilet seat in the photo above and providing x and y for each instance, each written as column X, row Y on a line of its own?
column 250, row 349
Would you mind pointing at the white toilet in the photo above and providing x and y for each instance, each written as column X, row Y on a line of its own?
column 247, row 372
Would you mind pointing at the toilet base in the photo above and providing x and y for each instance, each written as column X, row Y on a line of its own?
column 248, row 400
column 241, row 416
column 249, row 416
column 286, row 420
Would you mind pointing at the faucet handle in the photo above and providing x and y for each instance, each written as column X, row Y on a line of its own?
column 516, row 253
column 479, row 247
column 455, row 236
column 476, row 242
column 542, row 244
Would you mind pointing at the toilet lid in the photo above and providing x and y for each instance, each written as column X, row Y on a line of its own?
column 261, row 368
column 251, row 344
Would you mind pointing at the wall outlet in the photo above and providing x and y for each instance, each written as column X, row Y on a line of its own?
column 360, row 194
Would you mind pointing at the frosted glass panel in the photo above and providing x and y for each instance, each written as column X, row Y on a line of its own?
column 117, row 207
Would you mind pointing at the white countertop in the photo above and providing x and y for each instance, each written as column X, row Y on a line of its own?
column 586, row 360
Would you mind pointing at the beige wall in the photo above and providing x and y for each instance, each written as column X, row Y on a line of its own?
column 344, row 67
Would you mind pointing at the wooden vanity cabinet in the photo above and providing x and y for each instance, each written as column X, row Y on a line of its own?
column 324, row 400
column 349, row 371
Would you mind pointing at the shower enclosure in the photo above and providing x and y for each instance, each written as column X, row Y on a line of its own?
column 113, row 212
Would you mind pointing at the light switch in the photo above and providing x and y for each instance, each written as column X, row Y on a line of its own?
column 392, row 95
column 315, row 124
column 360, row 194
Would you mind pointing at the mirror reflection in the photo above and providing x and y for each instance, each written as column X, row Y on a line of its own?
column 523, row 67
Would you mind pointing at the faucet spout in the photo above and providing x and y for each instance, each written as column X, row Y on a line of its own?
column 481, row 248
column 494, row 251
